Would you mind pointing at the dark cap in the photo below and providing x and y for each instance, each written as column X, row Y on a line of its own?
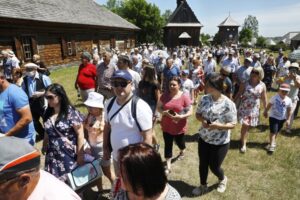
column 86, row 55
column 16, row 155
column 124, row 57
column 124, row 74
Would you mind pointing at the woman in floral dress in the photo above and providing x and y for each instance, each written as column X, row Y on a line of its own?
column 63, row 142
column 250, row 94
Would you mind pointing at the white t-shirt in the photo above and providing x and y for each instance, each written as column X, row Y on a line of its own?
column 187, row 86
column 178, row 62
column 209, row 67
column 124, row 130
column 50, row 188
column 279, row 107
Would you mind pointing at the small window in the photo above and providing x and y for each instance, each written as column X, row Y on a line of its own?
column 70, row 49
column 228, row 29
column 26, row 43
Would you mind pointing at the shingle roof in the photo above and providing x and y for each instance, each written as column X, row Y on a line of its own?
column 83, row 12
column 184, row 14
column 296, row 38
column 229, row 22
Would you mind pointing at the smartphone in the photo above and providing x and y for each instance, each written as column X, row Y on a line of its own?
column 172, row 112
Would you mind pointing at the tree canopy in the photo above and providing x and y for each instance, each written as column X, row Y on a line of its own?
column 251, row 23
column 144, row 15
column 245, row 36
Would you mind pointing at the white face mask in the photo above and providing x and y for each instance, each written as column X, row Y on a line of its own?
column 30, row 74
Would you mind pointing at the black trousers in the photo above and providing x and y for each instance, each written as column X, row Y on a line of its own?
column 37, row 112
column 168, row 138
column 211, row 156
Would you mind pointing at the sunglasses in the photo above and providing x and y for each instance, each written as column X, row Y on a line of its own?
column 284, row 92
column 119, row 84
column 50, row 97
column 255, row 72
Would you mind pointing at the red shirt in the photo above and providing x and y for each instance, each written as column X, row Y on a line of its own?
column 178, row 105
column 86, row 76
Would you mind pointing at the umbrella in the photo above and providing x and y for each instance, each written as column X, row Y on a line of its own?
column 295, row 55
column 156, row 53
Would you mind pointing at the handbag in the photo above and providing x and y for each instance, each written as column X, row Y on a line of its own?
column 84, row 175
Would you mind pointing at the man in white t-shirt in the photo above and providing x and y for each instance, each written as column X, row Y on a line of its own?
column 121, row 128
column 209, row 65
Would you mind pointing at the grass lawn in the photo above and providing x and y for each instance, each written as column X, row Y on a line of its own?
column 254, row 175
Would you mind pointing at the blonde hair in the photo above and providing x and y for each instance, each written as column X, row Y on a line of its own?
column 260, row 71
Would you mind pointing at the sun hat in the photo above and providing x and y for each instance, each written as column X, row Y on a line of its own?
column 124, row 74
column 185, row 72
column 94, row 100
column 31, row 66
column 249, row 59
column 209, row 55
column 17, row 155
column 285, row 87
column 294, row 65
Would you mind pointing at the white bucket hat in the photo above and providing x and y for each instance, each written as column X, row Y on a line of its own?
column 94, row 100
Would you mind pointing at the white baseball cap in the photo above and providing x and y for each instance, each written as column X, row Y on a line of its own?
column 94, row 100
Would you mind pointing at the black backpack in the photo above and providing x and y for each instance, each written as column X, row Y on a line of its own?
column 133, row 109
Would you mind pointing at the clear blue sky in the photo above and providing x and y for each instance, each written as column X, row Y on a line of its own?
column 275, row 17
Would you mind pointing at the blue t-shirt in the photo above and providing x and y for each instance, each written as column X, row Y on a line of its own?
column 12, row 99
column 169, row 73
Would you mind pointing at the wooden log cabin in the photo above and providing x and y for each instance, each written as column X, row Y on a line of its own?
column 183, row 27
column 59, row 30
column 229, row 31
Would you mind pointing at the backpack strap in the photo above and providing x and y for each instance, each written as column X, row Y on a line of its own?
column 133, row 111
column 111, row 104
column 25, row 80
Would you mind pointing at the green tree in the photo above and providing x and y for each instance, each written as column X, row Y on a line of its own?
column 245, row 36
column 146, row 16
column 261, row 42
column 251, row 23
column 217, row 39
column 113, row 5
column 204, row 39
column 166, row 16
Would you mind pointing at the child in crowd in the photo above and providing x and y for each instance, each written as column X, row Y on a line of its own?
column 197, row 78
column 187, row 84
column 280, row 106
column 94, row 125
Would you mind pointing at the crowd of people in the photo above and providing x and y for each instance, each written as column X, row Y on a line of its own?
column 125, row 94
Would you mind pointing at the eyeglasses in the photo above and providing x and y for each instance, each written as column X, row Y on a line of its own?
column 119, row 83
column 50, row 97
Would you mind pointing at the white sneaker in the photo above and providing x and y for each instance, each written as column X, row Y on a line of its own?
column 200, row 190
column 270, row 147
column 243, row 149
column 222, row 185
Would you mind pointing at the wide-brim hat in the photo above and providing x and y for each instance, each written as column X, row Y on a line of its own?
column 294, row 65
column 31, row 66
column 94, row 100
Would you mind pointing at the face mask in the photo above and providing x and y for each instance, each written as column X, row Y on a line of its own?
column 30, row 74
